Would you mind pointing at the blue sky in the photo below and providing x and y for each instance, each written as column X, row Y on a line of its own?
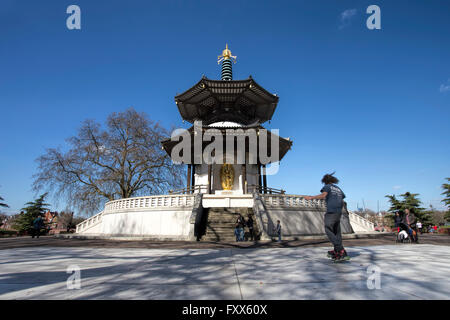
column 372, row 105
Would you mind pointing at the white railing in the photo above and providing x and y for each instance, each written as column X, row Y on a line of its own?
column 175, row 200
column 281, row 200
column 90, row 222
column 361, row 221
column 164, row 201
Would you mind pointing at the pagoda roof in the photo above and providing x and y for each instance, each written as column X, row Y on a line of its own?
column 284, row 144
column 241, row 101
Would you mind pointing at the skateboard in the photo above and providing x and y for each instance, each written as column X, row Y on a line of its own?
column 346, row 259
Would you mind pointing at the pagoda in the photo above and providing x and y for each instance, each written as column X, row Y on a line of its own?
column 230, row 109
column 228, row 154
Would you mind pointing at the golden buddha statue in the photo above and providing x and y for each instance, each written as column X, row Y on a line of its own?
column 227, row 176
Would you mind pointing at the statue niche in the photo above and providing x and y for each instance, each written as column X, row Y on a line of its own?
column 227, row 176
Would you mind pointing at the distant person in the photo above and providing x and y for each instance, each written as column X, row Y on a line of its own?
column 411, row 222
column 239, row 230
column 277, row 230
column 250, row 227
column 397, row 220
column 38, row 223
column 419, row 226
column 334, row 197
column 404, row 224
column 242, row 229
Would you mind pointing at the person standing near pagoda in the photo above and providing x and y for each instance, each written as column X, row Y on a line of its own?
column 334, row 198
column 250, row 227
column 239, row 230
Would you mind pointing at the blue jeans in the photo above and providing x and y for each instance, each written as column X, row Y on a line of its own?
column 237, row 234
column 241, row 234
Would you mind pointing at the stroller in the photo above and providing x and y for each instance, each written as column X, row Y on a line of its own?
column 402, row 236
column 406, row 234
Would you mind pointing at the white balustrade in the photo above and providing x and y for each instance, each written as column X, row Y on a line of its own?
column 165, row 201
column 168, row 201
column 280, row 200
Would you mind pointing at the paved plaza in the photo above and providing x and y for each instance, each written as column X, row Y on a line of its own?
column 303, row 272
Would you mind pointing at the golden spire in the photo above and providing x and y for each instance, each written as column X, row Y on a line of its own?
column 226, row 55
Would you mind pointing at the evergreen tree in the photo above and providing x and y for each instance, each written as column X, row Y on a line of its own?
column 447, row 216
column 412, row 202
column 446, row 193
column 34, row 209
column 395, row 203
column 4, row 205
column 395, row 206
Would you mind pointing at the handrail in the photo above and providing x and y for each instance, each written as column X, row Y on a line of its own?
column 265, row 190
column 190, row 190
column 172, row 200
column 284, row 200
column 163, row 201
column 89, row 222
column 362, row 220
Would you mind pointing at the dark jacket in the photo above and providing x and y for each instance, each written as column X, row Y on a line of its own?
column 278, row 228
column 38, row 223
column 411, row 219
column 240, row 223
column 397, row 220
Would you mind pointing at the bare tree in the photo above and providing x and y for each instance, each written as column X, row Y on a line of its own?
column 124, row 160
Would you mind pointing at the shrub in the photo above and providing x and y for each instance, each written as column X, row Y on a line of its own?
column 8, row 233
column 444, row 230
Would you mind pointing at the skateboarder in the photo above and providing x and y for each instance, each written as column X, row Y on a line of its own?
column 334, row 197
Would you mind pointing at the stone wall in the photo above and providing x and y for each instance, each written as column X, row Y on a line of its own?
column 297, row 217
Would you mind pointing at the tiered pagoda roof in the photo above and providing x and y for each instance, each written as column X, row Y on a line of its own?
column 284, row 144
column 241, row 101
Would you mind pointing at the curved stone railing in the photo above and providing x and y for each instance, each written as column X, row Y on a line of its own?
column 89, row 223
column 288, row 200
column 363, row 222
column 149, row 202
column 280, row 200
column 175, row 200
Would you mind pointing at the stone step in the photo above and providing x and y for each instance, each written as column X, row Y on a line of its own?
column 221, row 214
column 243, row 211
column 220, row 227
column 218, row 220
column 221, row 239
column 222, row 222
column 222, row 217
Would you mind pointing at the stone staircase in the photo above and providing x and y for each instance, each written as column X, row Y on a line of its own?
column 221, row 223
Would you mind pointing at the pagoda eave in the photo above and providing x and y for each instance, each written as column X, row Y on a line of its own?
column 241, row 101
column 283, row 143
